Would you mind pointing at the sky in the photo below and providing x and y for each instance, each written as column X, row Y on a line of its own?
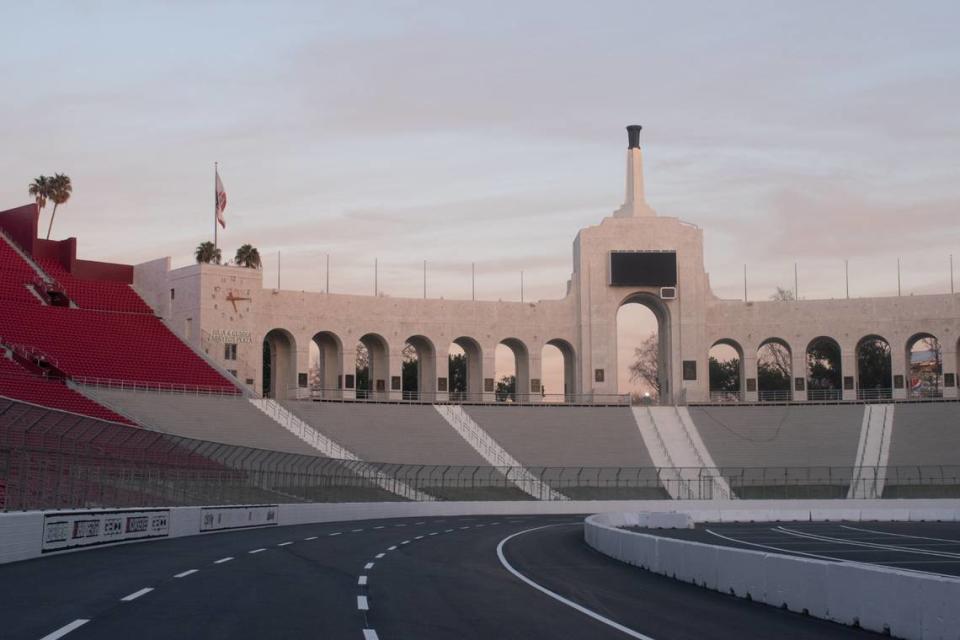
column 807, row 133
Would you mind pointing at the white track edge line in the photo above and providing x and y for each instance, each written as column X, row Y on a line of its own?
column 556, row 596
column 65, row 629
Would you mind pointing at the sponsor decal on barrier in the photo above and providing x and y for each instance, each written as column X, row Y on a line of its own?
column 72, row 529
column 244, row 517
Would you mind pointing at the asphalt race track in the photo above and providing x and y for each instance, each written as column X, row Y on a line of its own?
column 930, row 547
column 411, row 579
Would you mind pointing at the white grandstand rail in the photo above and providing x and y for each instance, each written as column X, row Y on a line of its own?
column 699, row 448
column 331, row 449
column 156, row 387
column 491, row 451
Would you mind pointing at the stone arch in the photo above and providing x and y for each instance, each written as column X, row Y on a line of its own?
column 664, row 342
column 326, row 372
column 874, row 368
column 279, row 364
column 824, row 369
column 465, row 382
column 774, row 370
column 567, row 392
column 723, row 387
column 375, row 383
column 521, row 363
column 419, row 376
column 924, row 361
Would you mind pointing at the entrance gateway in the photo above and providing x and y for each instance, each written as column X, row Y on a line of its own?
column 633, row 255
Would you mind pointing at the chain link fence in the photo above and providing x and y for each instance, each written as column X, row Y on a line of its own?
column 53, row 460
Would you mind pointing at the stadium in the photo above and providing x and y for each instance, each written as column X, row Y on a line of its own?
column 385, row 321
column 348, row 503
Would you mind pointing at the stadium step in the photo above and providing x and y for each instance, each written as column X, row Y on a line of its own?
column 873, row 452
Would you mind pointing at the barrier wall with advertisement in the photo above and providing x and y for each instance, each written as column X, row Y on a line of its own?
column 240, row 517
column 71, row 529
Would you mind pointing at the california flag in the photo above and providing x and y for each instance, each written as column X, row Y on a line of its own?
column 221, row 202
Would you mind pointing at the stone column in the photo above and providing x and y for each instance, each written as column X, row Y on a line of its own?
column 798, row 369
column 848, row 369
column 534, row 380
column 348, row 366
column 898, row 367
column 394, row 376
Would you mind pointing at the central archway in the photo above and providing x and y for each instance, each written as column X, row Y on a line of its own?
column 279, row 364
column 644, row 359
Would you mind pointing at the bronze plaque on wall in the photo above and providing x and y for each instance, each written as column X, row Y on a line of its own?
column 441, row 384
column 488, row 385
column 689, row 369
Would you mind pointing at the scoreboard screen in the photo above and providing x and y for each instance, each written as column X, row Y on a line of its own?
column 643, row 268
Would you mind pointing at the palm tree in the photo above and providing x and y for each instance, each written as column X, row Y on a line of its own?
column 206, row 253
column 40, row 190
column 60, row 190
column 247, row 256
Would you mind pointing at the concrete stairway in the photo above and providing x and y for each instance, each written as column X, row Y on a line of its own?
column 873, row 452
column 675, row 444
column 331, row 449
column 494, row 454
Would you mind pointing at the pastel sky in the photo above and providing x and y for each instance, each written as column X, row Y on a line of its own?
column 491, row 132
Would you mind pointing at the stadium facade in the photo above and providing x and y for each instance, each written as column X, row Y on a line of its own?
column 633, row 255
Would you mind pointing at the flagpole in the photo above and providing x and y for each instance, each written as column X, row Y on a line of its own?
column 215, row 204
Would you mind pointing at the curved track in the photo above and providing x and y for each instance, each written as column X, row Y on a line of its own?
column 422, row 578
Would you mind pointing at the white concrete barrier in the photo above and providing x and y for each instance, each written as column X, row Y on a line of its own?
column 905, row 604
column 22, row 534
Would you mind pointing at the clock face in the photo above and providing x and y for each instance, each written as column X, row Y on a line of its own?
column 233, row 298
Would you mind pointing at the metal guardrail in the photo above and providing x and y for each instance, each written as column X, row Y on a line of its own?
column 157, row 387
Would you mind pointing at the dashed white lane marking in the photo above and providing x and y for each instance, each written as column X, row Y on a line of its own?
column 184, row 574
column 222, row 560
column 379, row 527
column 362, row 603
column 136, row 594
column 284, row 544
column 362, row 581
column 368, row 566
column 356, row 530
column 379, row 555
column 393, row 548
column 421, row 522
column 335, row 533
column 448, row 530
column 76, row 624
column 419, row 538
column 399, row 525
column 370, row 634
column 556, row 596
column 462, row 528
column 405, row 542
column 310, row 538
column 432, row 533
column 256, row 550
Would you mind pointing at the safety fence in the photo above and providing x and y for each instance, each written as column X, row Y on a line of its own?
column 51, row 459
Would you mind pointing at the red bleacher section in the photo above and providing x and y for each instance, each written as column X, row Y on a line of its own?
column 116, row 346
column 109, row 332
column 92, row 294
column 17, row 382
column 15, row 275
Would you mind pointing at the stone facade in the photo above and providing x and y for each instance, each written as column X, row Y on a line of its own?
column 214, row 306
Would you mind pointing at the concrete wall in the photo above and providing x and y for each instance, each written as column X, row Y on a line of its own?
column 901, row 603
column 22, row 535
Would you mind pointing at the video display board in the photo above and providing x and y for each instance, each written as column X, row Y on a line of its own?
column 643, row 268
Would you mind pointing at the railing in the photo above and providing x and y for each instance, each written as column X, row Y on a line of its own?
column 874, row 394
column 827, row 395
column 775, row 395
column 459, row 397
column 726, row 396
column 155, row 387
